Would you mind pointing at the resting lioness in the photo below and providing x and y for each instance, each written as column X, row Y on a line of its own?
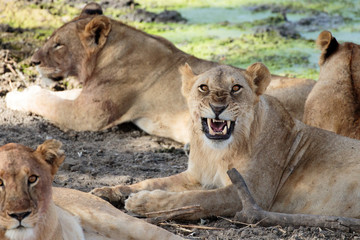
column 288, row 166
column 127, row 75
column 334, row 102
column 28, row 212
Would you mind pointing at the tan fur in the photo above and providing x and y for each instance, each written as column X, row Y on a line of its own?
column 70, row 216
column 288, row 166
column 127, row 75
column 334, row 102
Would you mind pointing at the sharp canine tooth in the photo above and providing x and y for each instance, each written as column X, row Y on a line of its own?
column 224, row 131
column 211, row 131
column 228, row 123
column 209, row 127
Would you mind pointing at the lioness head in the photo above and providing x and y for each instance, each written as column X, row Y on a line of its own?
column 222, row 101
column 26, row 187
column 67, row 50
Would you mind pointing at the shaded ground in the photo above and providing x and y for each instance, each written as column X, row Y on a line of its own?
column 120, row 155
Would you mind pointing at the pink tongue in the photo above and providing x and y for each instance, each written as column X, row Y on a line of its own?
column 217, row 126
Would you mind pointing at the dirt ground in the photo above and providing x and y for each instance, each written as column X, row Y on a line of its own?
column 120, row 155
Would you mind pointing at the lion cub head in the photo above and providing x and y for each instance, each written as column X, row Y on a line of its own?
column 222, row 101
column 69, row 50
column 26, row 188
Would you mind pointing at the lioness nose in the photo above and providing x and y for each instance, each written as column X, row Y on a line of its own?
column 217, row 109
column 35, row 59
column 19, row 216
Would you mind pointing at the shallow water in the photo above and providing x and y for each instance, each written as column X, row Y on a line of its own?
column 221, row 23
column 343, row 35
column 218, row 15
column 185, row 34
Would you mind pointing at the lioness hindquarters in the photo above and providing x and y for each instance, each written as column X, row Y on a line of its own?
column 325, row 180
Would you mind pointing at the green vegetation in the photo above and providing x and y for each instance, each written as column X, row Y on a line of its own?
column 330, row 6
column 16, row 14
column 237, row 47
column 230, row 41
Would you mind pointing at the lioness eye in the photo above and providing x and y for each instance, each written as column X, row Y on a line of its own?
column 203, row 88
column 236, row 88
column 1, row 183
column 32, row 179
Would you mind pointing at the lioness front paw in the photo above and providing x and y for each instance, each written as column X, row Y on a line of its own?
column 150, row 201
column 115, row 195
column 20, row 101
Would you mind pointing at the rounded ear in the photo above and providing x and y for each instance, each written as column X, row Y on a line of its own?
column 260, row 76
column 91, row 9
column 50, row 151
column 188, row 79
column 328, row 45
column 95, row 33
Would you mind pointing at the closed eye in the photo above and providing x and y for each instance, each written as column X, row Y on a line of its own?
column 58, row 46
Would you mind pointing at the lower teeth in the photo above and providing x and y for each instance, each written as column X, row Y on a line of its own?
column 212, row 132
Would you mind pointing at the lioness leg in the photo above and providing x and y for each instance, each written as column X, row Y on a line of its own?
column 217, row 202
column 109, row 222
column 117, row 194
column 81, row 113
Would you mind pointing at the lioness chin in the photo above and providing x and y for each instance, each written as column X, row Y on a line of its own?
column 31, row 209
column 288, row 166
column 334, row 102
column 127, row 76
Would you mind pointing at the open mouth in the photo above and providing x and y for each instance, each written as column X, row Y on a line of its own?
column 217, row 129
column 50, row 73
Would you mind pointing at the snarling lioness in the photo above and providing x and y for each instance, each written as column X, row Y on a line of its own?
column 288, row 166
column 28, row 211
column 334, row 102
column 127, row 75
